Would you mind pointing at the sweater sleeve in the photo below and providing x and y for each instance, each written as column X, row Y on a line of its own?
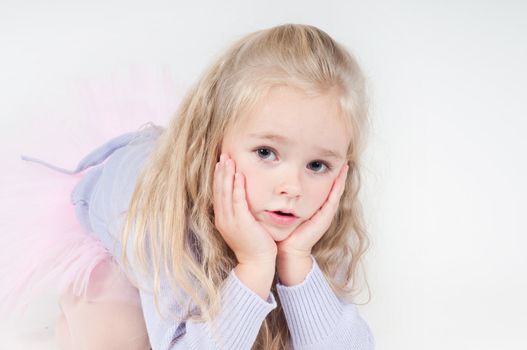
column 235, row 327
column 242, row 311
column 317, row 319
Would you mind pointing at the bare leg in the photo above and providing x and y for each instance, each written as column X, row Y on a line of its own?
column 62, row 333
column 106, row 319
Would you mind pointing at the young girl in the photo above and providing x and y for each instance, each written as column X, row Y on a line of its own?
column 238, row 226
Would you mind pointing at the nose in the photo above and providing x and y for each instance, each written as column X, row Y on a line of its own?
column 289, row 183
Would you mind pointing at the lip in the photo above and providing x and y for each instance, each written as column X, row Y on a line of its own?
column 280, row 219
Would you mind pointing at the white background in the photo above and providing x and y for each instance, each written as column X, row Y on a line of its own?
column 444, row 188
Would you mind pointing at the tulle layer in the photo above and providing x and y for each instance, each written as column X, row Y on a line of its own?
column 42, row 244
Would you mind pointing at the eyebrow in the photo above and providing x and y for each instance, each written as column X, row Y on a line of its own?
column 284, row 140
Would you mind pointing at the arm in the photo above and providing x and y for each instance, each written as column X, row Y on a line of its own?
column 316, row 318
column 242, row 311
column 238, row 322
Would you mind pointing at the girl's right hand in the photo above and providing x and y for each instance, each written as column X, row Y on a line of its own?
column 250, row 242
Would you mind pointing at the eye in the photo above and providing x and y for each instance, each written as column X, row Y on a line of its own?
column 264, row 153
column 317, row 165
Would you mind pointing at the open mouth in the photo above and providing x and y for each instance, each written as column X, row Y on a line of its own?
column 282, row 213
column 281, row 218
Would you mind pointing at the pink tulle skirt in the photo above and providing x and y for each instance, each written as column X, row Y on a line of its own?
column 42, row 245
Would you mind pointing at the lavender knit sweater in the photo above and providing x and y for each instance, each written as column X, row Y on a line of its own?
column 316, row 318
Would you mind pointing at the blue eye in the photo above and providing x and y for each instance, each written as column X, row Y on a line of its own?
column 263, row 153
column 266, row 153
column 319, row 165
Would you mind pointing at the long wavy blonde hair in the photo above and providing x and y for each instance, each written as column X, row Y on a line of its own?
column 170, row 219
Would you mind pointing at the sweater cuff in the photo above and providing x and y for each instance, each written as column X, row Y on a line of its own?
column 311, row 308
column 243, row 313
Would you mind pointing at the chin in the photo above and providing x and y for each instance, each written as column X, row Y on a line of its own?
column 279, row 235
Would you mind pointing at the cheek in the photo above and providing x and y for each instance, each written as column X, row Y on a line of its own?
column 318, row 194
column 255, row 184
column 255, row 189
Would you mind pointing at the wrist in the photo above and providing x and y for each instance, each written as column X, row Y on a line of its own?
column 256, row 276
column 293, row 270
column 260, row 265
column 262, row 261
column 293, row 255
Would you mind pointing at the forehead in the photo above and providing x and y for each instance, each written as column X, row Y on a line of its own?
column 289, row 116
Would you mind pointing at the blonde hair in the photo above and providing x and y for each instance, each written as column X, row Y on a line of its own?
column 170, row 218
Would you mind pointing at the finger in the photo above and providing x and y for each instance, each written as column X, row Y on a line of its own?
column 217, row 190
column 239, row 201
column 328, row 210
column 342, row 179
column 339, row 184
column 228, row 179
column 217, row 185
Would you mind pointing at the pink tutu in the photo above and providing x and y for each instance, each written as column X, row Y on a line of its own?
column 42, row 244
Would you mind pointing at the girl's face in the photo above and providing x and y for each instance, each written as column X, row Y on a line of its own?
column 290, row 148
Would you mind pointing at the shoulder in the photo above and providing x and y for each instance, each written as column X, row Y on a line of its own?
column 114, row 188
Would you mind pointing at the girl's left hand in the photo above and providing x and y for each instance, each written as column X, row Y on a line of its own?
column 305, row 236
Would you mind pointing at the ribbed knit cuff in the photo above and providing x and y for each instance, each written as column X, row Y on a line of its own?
column 243, row 312
column 311, row 308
